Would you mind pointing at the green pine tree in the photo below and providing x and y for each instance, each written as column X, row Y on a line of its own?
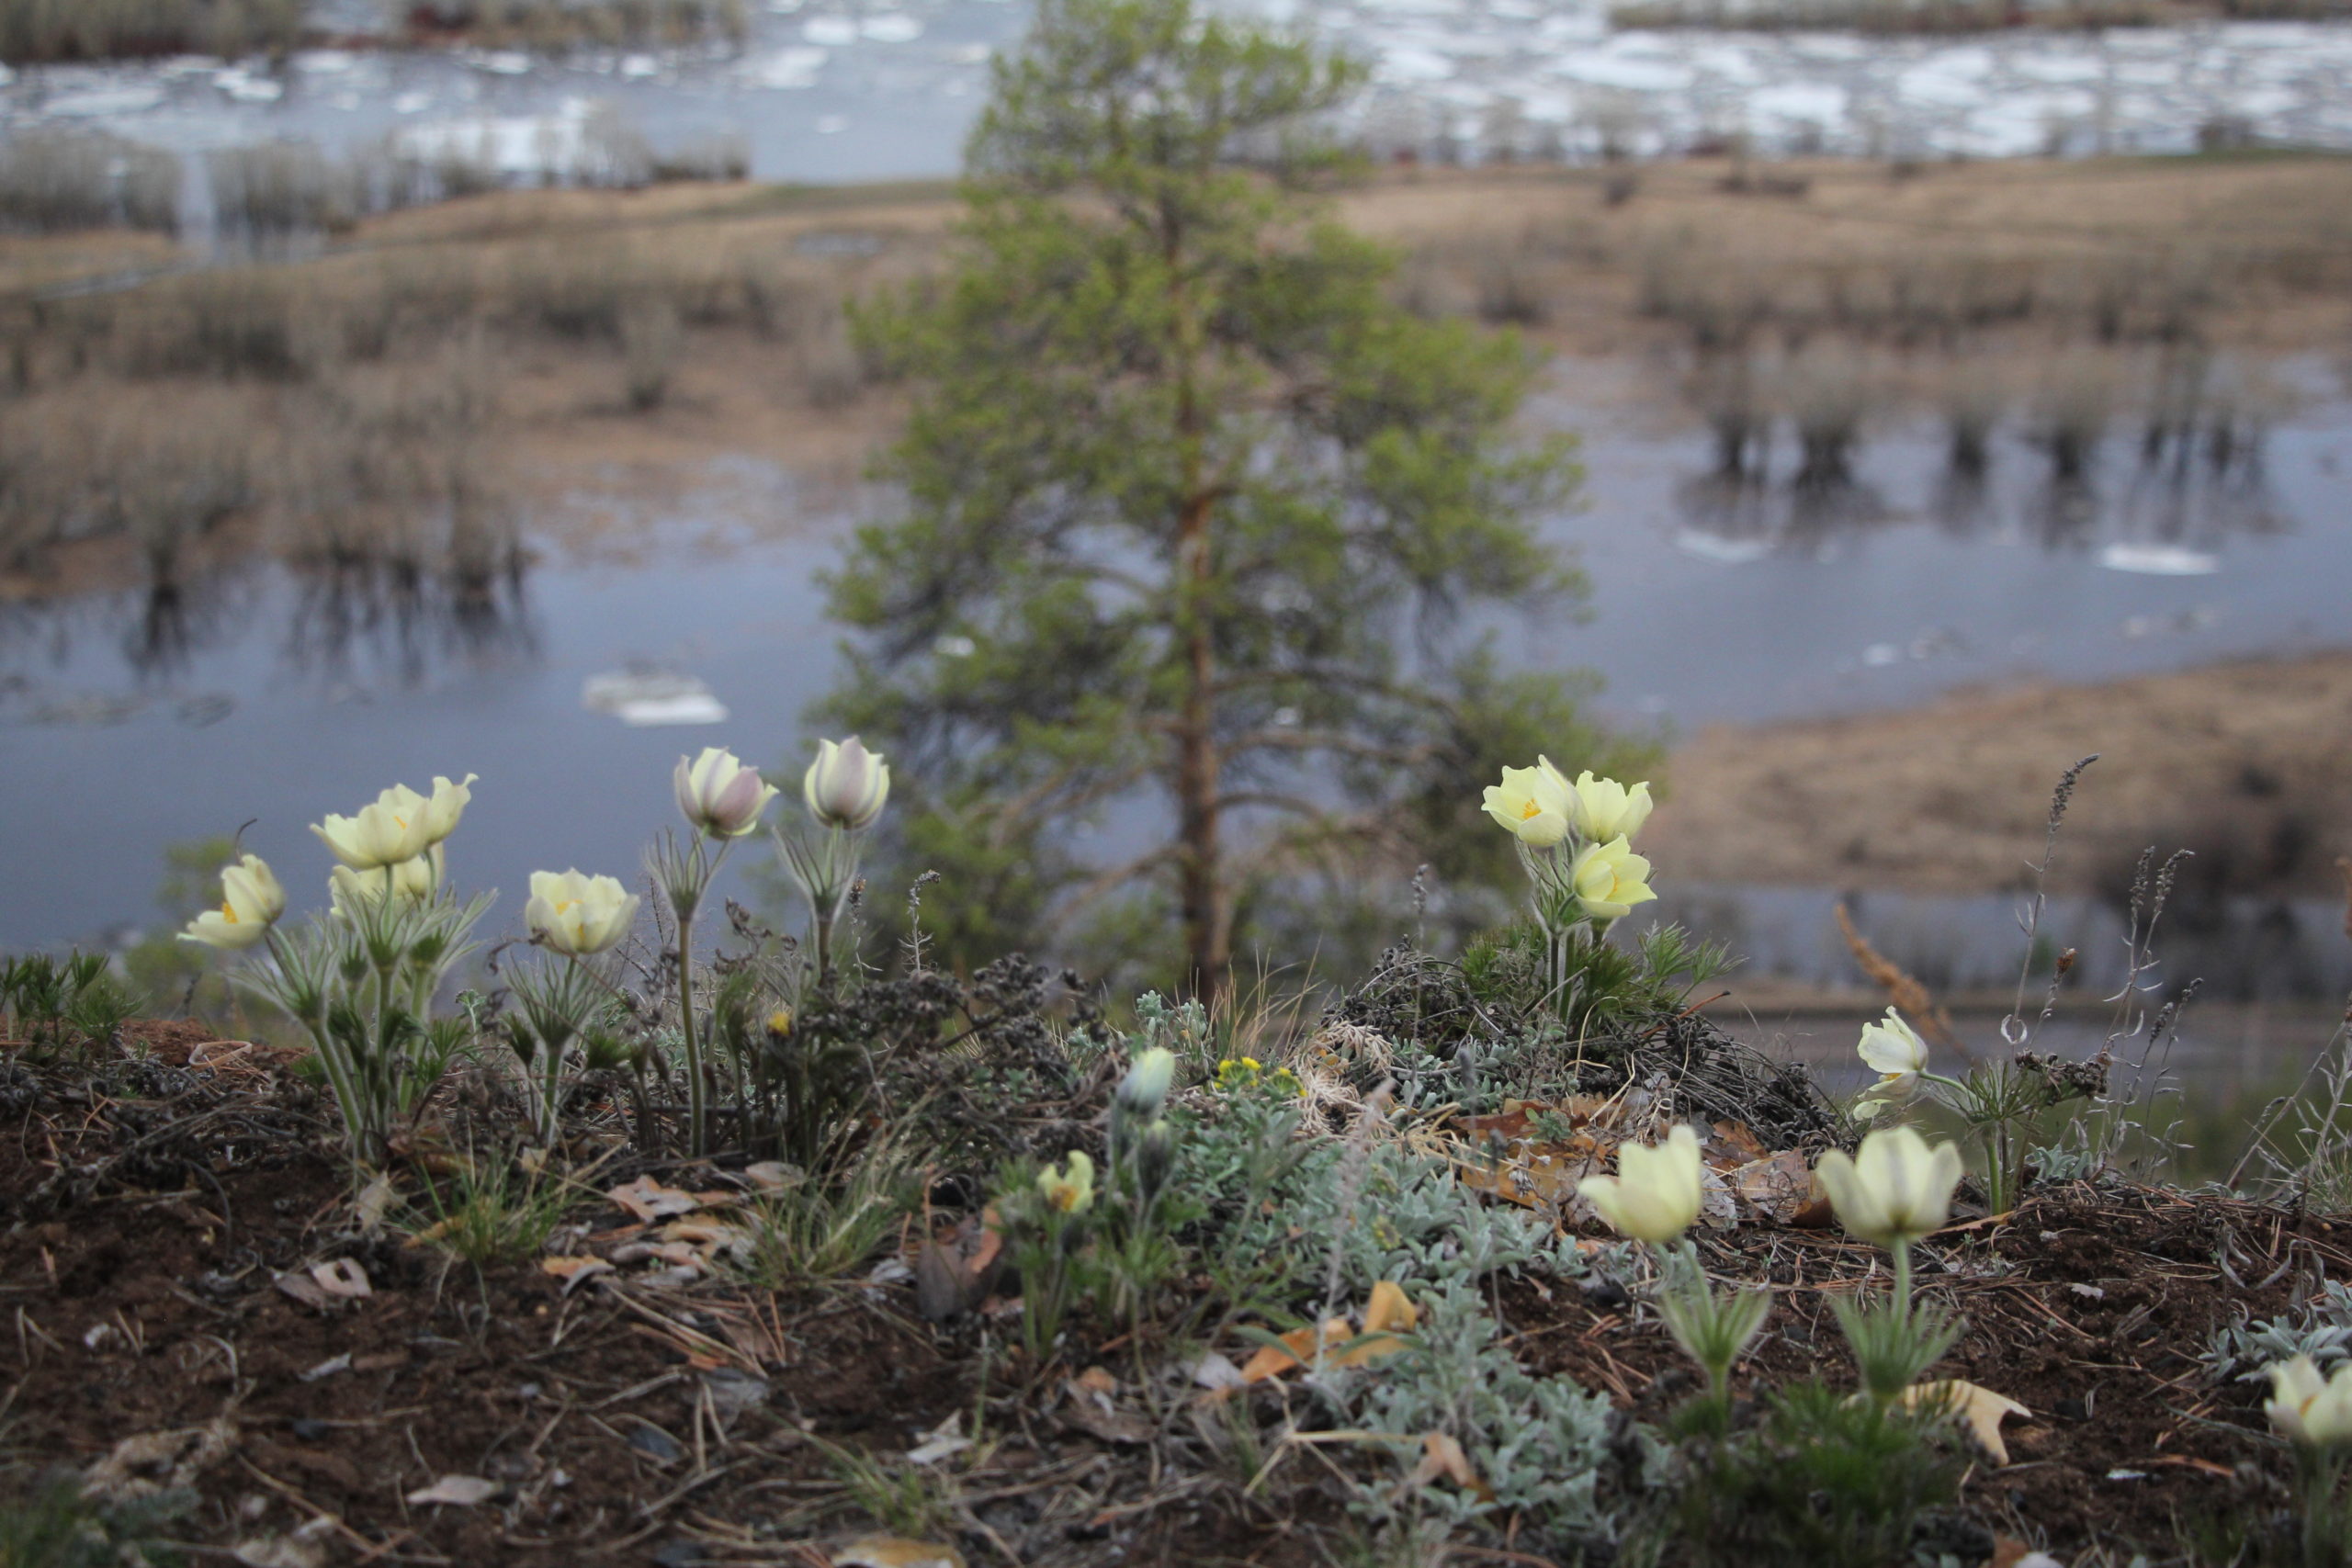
column 1197, row 517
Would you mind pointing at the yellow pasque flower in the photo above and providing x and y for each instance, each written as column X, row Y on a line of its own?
column 445, row 806
column 1655, row 1194
column 577, row 914
column 1534, row 804
column 846, row 785
column 2307, row 1408
column 1894, row 1050
column 1603, row 809
column 719, row 795
column 1610, row 879
column 1072, row 1191
column 251, row 901
column 1895, row 1190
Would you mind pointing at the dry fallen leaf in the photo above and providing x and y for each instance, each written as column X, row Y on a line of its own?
column 1441, row 1455
column 1387, row 1314
column 897, row 1552
column 1979, row 1407
column 458, row 1491
column 1781, row 1188
column 1296, row 1349
column 279, row 1552
column 574, row 1271
column 1088, row 1406
column 344, row 1277
column 649, row 1200
column 942, row 1441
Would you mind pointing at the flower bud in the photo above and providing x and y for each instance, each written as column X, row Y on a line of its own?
column 1655, row 1194
column 846, row 785
column 1143, row 1093
column 1155, row 1159
column 251, row 901
column 721, row 796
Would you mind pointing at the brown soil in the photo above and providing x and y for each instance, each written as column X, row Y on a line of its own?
column 162, row 1211
column 2244, row 762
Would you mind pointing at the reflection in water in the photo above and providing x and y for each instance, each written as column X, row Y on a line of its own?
column 349, row 621
column 2239, row 947
column 397, row 617
column 2195, row 490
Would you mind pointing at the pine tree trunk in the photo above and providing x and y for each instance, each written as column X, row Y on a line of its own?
column 1207, row 932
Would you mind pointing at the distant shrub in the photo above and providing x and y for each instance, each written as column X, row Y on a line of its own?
column 56, row 179
column 33, row 31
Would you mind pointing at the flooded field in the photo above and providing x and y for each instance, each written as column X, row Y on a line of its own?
column 829, row 92
column 285, row 694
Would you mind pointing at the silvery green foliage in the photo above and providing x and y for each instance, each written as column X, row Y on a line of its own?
column 2319, row 1327
column 1539, row 1443
column 1181, row 1027
column 1388, row 1212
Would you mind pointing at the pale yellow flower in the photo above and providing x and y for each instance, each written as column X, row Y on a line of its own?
column 1071, row 1192
column 1894, row 1050
column 1655, row 1194
column 447, row 803
column 2307, row 1408
column 719, row 795
column 1895, row 1190
column 846, row 785
column 1603, row 809
column 251, row 901
column 578, row 913
column 1534, row 804
column 1610, row 879
column 390, row 829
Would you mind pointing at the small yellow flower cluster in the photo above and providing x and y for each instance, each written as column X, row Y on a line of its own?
column 1239, row 1073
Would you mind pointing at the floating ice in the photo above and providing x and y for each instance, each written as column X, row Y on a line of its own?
column 636, row 67
column 644, row 698
column 505, row 63
column 2159, row 561
column 891, row 27
column 324, row 61
column 247, row 88
column 105, row 102
column 832, row 32
column 790, row 68
column 1715, row 548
